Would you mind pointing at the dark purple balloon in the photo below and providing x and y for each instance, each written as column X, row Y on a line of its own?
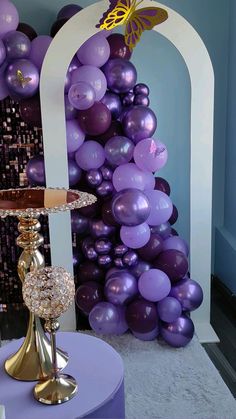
column 30, row 111
column 179, row 333
column 174, row 263
column 175, row 242
column 35, row 171
column 162, row 185
column 107, row 173
column 120, row 249
column 141, row 89
column 119, row 262
column 118, row 47
column 130, row 207
column 188, row 292
column 147, row 336
column 141, row 316
column 99, row 229
column 174, row 232
column 90, row 253
column 95, row 120
column 90, row 271
column 79, row 223
column 130, row 258
column 27, row 30
column 103, row 246
column 113, row 103
column 140, row 268
column 76, row 257
column 70, row 111
column 164, row 230
column 115, row 129
column 152, row 249
column 121, row 288
column 90, row 210
column 17, row 45
column 74, row 172
column 88, row 295
column 66, row 12
column 128, row 99
column 169, row 309
column 139, row 123
column 121, row 75
column 94, row 177
column 174, row 216
column 107, row 215
column 141, row 100
column 57, row 25
column 105, row 188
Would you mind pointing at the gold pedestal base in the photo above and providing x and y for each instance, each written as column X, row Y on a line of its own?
column 56, row 390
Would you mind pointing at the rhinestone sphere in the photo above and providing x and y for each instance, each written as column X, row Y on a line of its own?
column 48, row 292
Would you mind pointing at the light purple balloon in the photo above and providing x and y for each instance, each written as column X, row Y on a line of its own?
column 150, row 155
column 95, row 51
column 104, row 318
column 169, row 309
column 135, row 237
column 161, row 207
column 17, row 45
column 99, row 229
column 118, row 150
column 121, row 288
column 70, row 111
column 147, row 336
column 154, row 285
column 90, row 155
column 74, row 135
column 39, row 47
column 176, row 243
column 128, row 176
column 9, row 17
column 2, row 52
column 93, row 76
column 14, row 84
column 81, row 95
column 149, row 181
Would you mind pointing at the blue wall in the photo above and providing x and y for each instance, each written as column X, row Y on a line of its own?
column 159, row 64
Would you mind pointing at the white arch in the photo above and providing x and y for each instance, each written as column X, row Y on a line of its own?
column 184, row 37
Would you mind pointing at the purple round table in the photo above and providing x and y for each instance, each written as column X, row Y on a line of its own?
column 99, row 372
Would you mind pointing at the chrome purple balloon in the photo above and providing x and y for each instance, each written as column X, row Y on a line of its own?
column 120, row 288
column 169, row 309
column 107, row 173
column 113, row 103
column 104, row 261
column 141, row 100
column 17, row 45
column 35, row 171
column 118, row 150
column 103, row 246
column 139, row 123
column 99, row 229
column 120, row 249
column 128, row 99
column 121, row 75
column 130, row 258
column 74, row 172
column 105, row 188
column 130, row 207
column 141, row 267
column 94, row 177
column 104, row 318
column 141, row 89
column 26, row 87
column 179, row 333
column 189, row 293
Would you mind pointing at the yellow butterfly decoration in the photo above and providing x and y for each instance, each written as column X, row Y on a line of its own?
column 23, row 81
column 137, row 20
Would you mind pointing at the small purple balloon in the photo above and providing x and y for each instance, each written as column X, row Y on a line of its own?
column 162, row 185
column 176, row 243
column 93, row 76
column 173, row 262
column 90, row 253
column 107, row 173
column 103, row 246
column 152, row 249
column 178, row 333
column 70, row 111
column 66, row 12
column 128, row 99
column 81, row 95
column 150, row 155
column 139, row 123
column 35, row 171
column 74, row 172
column 169, row 309
column 121, row 288
column 39, row 47
column 154, row 285
column 120, row 249
column 94, row 177
column 139, row 268
column 147, row 336
column 141, row 316
column 135, row 237
column 130, row 207
column 99, row 229
column 189, row 293
column 118, row 150
column 141, row 100
column 141, row 89
column 26, row 87
column 164, row 230
column 104, row 261
column 9, row 17
column 95, row 51
column 90, row 155
column 104, row 318
column 88, row 295
column 2, row 52
column 161, row 207
column 129, row 176
column 118, row 262
column 130, row 258
column 121, row 75
column 17, row 45
column 3, row 88
column 105, row 189
column 74, row 135
column 113, row 103
column 79, row 223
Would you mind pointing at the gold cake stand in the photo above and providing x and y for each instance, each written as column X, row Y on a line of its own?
column 33, row 361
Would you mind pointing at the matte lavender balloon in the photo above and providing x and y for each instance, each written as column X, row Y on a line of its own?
column 141, row 100
column 122, row 326
column 88, row 295
column 141, row 316
column 74, row 136
column 164, row 230
column 135, row 237
column 17, row 45
column 161, row 207
column 81, row 95
column 162, row 185
column 105, row 189
column 104, row 318
column 70, row 111
column 189, row 293
column 149, row 181
column 174, row 216
column 90, row 155
column 130, row 207
column 130, row 258
column 173, row 262
column 35, row 171
column 128, row 99
column 104, row 261
column 121, row 288
column 150, row 155
column 107, row 173
column 152, row 249
column 141, row 267
column 120, row 249
column 29, row 86
column 2, row 52
column 93, row 76
column 139, row 123
column 147, row 336
column 95, row 120
column 141, row 89
column 66, row 12
column 74, row 172
column 119, row 150
column 113, row 103
column 154, row 285
column 179, row 333
column 9, row 17
column 103, row 246
column 99, row 229
column 176, row 243
column 79, row 223
column 169, row 309
column 95, row 51
column 118, row 47
column 94, row 177
column 121, row 75
column 128, row 176
column 39, row 47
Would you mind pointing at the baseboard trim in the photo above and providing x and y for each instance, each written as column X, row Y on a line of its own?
column 205, row 333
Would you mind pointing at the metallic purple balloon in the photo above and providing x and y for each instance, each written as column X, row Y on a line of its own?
column 22, row 89
column 76, row 257
column 99, row 229
column 118, row 47
column 164, row 230
column 74, row 136
column 104, row 261
column 105, row 188
column 103, row 246
column 107, row 173
column 118, row 150
column 147, row 336
column 118, row 262
column 128, row 99
column 66, row 12
column 173, row 262
column 95, row 51
column 88, row 295
column 121, row 288
column 139, row 123
column 90, row 155
column 81, row 95
column 130, row 258
column 189, row 293
column 162, row 185
column 154, row 285
column 135, row 237
column 90, row 271
column 141, row 316
column 174, row 216
column 94, row 177
column 152, row 249
column 121, row 75
column 140, row 268
column 17, row 45
column 176, row 243
column 74, row 172
column 70, row 111
column 35, row 171
column 161, row 207
column 169, row 309
column 2, row 52
column 86, row 243
column 79, row 223
column 120, row 249
column 95, row 120
column 9, row 17
column 112, row 271
column 130, row 207
column 39, row 47
column 141, row 100
column 141, row 89
column 104, row 318
column 90, row 253
column 113, row 103
column 179, row 333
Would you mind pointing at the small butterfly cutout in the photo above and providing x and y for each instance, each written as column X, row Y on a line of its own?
column 137, row 21
column 23, row 81
column 155, row 150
